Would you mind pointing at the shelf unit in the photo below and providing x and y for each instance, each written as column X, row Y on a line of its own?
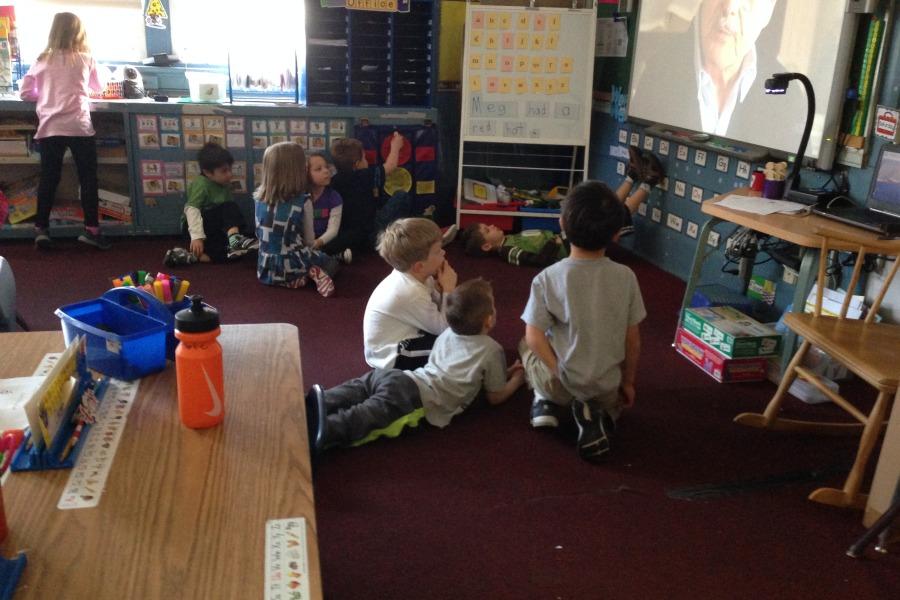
column 370, row 58
column 113, row 172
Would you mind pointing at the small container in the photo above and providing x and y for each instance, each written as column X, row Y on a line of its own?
column 757, row 181
column 198, row 366
column 773, row 189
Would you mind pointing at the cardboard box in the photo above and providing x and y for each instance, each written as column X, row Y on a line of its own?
column 716, row 365
column 731, row 332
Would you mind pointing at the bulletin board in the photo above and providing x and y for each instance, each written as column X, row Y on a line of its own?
column 528, row 74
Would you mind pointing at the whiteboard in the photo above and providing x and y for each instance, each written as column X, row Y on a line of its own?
column 528, row 75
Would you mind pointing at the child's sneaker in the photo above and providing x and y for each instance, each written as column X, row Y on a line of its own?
column 635, row 168
column 449, row 235
column 43, row 241
column 324, row 283
column 97, row 240
column 653, row 169
column 177, row 257
column 239, row 244
column 595, row 428
column 543, row 414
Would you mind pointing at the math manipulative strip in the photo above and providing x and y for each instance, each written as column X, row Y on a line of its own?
column 88, row 477
column 287, row 568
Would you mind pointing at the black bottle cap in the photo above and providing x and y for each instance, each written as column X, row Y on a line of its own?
column 199, row 318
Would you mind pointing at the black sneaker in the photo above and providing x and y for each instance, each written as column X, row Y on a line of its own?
column 43, row 241
column 316, row 419
column 97, row 240
column 241, row 243
column 595, row 428
column 543, row 414
column 653, row 169
column 635, row 168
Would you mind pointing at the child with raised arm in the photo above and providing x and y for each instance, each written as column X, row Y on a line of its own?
column 464, row 360
column 59, row 82
column 327, row 205
column 281, row 203
column 212, row 219
column 582, row 340
column 407, row 310
column 359, row 184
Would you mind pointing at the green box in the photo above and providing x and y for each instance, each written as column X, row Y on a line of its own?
column 731, row 332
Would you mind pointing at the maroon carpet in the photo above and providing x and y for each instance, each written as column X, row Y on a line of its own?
column 488, row 508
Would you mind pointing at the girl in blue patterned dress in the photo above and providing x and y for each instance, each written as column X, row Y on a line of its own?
column 281, row 199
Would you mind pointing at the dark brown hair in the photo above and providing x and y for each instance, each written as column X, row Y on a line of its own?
column 469, row 305
column 345, row 152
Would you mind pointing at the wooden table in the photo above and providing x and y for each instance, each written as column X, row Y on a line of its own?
column 799, row 229
column 183, row 514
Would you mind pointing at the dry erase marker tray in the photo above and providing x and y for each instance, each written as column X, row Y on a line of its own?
column 29, row 458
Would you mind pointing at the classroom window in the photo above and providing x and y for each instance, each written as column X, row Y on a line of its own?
column 115, row 29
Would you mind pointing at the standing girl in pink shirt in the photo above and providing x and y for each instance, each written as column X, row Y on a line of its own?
column 60, row 82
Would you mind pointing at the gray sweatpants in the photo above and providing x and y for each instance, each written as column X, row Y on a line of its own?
column 381, row 402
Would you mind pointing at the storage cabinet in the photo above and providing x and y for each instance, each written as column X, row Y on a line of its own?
column 368, row 58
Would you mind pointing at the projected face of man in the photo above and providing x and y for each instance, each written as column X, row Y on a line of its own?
column 728, row 30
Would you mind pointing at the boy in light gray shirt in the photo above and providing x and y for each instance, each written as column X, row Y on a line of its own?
column 582, row 340
column 384, row 401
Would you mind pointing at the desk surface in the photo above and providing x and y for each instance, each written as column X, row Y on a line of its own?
column 798, row 229
column 183, row 514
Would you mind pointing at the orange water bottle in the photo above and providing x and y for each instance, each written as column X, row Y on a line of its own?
column 198, row 365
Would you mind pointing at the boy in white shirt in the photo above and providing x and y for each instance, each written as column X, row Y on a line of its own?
column 406, row 312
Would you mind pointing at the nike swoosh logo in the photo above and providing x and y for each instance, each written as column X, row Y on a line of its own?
column 217, row 402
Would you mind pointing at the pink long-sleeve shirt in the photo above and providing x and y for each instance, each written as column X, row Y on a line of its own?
column 61, row 85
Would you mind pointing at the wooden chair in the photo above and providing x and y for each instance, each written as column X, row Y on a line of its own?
column 870, row 350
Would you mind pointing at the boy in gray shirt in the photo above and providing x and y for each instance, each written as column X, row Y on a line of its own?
column 384, row 401
column 582, row 340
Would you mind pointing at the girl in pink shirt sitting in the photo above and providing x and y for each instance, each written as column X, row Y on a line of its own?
column 60, row 82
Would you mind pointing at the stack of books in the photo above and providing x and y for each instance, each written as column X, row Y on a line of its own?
column 15, row 137
column 115, row 206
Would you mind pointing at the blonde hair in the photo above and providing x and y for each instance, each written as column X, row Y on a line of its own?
column 283, row 173
column 407, row 241
column 67, row 34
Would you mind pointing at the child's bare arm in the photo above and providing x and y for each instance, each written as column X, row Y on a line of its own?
column 515, row 378
column 392, row 160
column 629, row 365
column 537, row 341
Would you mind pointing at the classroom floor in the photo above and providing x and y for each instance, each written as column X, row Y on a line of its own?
column 688, row 505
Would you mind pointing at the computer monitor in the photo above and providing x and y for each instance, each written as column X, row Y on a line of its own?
column 884, row 195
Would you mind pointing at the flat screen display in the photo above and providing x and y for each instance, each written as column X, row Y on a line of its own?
column 885, row 193
column 701, row 65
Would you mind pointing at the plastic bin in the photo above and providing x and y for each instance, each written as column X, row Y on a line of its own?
column 505, row 223
column 126, row 331
column 540, row 222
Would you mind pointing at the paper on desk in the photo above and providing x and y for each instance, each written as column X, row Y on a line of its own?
column 760, row 206
column 14, row 393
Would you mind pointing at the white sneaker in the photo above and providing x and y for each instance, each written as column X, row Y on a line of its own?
column 449, row 235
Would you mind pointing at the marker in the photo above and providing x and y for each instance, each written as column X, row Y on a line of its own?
column 158, row 289
column 182, row 290
column 167, row 291
column 128, row 281
column 142, row 276
column 72, row 440
column 117, row 282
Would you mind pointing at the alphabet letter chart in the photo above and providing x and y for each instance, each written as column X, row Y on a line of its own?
column 527, row 74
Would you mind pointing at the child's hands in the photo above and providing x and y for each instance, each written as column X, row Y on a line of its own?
column 626, row 394
column 396, row 142
column 197, row 248
column 515, row 374
column 317, row 245
column 446, row 278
